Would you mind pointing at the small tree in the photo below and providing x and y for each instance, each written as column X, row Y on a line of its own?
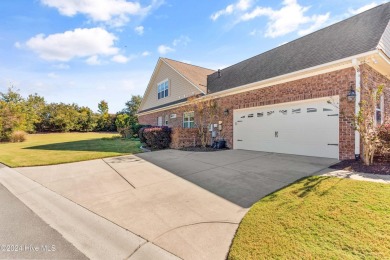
column 132, row 107
column 104, row 121
column 365, row 122
column 205, row 112
column 123, row 125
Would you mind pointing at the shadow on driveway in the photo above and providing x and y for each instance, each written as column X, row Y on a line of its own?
column 242, row 177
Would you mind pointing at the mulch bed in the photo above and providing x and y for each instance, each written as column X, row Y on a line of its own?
column 201, row 149
column 382, row 168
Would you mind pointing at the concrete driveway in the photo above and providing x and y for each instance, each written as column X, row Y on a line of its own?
column 189, row 204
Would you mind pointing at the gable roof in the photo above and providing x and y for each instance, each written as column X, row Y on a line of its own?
column 195, row 74
column 355, row 35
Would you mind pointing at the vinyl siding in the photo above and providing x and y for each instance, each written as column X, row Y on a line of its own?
column 384, row 43
column 179, row 87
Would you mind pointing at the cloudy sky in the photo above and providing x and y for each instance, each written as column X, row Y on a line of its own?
column 84, row 51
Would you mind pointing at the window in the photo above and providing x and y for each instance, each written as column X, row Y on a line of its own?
column 159, row 121
column 188, row 120
column 163, row 89
column 166, row 120
column 379, row 109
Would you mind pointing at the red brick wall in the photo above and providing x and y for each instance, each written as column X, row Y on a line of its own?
column 324, row 85
column 184, row 137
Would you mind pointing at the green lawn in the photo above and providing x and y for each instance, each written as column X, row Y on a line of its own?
column 318, row 218
column 46, row 149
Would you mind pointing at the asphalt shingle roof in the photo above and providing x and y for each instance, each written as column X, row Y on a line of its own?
column 195, row 74
column 353, row 36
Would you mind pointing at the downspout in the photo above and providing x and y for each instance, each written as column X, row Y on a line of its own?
column 355, row 64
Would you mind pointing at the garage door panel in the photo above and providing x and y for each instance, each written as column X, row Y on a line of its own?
column 304, row 128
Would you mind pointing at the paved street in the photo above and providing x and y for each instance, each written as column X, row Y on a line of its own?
column 34, row 238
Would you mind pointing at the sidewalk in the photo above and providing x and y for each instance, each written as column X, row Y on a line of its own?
column 356, row 176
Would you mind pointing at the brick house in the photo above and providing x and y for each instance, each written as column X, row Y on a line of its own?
column 296, row 99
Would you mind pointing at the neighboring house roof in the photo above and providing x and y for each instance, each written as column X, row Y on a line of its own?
column 195, row 74
column 356, row 35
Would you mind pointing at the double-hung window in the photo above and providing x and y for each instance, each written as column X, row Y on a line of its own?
column 159, row 121
column 163, row 89
column 379, row 111
column 188, row 120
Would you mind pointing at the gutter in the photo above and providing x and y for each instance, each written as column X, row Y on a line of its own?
column 343, row 63
column 355, row 64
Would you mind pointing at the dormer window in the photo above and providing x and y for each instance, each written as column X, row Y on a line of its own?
column 163, row 89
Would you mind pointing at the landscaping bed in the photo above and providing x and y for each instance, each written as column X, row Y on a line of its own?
column 379, row 167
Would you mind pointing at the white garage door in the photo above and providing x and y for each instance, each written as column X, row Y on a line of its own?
column 304, row 128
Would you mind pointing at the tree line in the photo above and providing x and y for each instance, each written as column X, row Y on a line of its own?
column 33, row 114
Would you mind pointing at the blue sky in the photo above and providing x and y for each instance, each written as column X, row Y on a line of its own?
column 84, row 51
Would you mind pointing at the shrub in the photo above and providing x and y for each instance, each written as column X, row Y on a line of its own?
column 136, row 128
column 158, row 137
column 383, row 151
column 141, row 134
column 18, row 136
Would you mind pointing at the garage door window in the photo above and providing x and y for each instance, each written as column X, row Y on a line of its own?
column 188, row 120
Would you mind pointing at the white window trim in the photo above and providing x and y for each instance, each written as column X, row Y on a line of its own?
column 159, row 122
column 381, row 109
column 169, row 91
column 188, row 121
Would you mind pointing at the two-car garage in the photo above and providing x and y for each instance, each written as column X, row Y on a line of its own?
column 309, row 127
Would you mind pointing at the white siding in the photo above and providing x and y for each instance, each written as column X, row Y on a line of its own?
column 384, row 43
column 179, row 87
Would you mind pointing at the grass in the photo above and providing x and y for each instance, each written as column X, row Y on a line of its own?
column 318, row 218
column 48, row 149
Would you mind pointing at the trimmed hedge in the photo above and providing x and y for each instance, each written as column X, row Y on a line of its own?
column 156, row 137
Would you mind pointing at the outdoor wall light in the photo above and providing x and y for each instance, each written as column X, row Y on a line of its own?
column 226, row 112
column 351, row 96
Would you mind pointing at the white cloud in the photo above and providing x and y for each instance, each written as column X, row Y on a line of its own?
column 182, row 40
column 319, row 21
column 228, row 10
column 71, row 44
column 146, row 53
column 52, row 75
column 139, row 30
column 164, row 49
column 17, row 45
column 113, row 12
column 291, row 17
column 93, row 60
column 362, row 9
column 241, row 5
column 61, row 66
column 120, row 59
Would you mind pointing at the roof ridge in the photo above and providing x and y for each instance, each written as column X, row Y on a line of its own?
column 187, row 64
column 304, row 36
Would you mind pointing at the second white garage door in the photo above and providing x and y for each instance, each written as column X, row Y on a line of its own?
column 308, row 128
